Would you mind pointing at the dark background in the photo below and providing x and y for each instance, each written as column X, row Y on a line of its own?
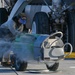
column 50, row 1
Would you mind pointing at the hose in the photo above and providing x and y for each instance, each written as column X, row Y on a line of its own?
column 70, row 49
column 72, row 4
column 48, row 5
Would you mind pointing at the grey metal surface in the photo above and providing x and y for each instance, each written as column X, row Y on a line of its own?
column 67, row 67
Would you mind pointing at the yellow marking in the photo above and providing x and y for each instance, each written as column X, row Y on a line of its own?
column 72, row 55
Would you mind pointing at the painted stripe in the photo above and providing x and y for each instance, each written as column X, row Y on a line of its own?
column 72, row 55
column 72, row 67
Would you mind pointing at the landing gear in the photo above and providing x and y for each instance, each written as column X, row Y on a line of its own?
column 40, row 24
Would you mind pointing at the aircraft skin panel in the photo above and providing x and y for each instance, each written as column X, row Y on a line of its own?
column 15, row 8
column 18, row 8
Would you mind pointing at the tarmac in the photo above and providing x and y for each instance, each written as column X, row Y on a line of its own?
column 66, row 67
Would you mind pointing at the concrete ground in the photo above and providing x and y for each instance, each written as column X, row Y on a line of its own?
column 67, row 67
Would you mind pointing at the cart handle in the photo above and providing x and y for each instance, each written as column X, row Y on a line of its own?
column 70, row 49
column 51, row 36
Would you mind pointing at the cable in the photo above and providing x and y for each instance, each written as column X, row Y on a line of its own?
column 11, row 67
column 14, row 70
column 70, row 49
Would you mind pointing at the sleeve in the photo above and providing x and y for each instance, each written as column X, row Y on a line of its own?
column 12, row 29
column 21, row 28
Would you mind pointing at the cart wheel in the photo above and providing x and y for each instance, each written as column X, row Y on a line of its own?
column 53, row 67
column 20, row 66
column 3, row 15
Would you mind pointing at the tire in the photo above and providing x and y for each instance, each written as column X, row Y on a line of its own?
column 71, row 26
column 20, row 66
column 3, row 15
column 65, row 33
column 53, row 67
column 40, row 24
